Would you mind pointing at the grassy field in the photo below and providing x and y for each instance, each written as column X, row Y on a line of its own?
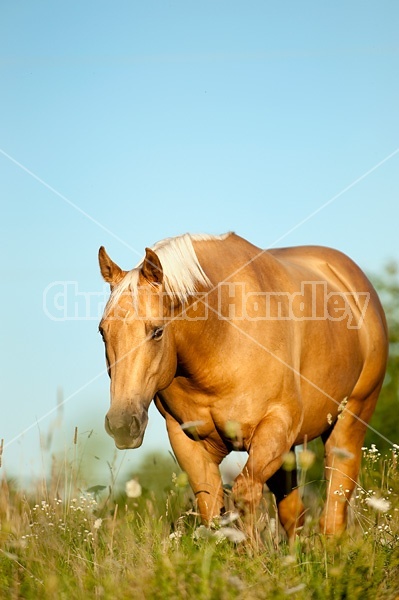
column 144, row 540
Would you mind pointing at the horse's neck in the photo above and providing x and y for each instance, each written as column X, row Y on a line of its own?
column 201, row 328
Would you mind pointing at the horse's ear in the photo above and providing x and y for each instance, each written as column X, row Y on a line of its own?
column 152, row 269
column 109, row 270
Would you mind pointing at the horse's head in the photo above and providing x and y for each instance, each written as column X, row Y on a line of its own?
column 139, row 347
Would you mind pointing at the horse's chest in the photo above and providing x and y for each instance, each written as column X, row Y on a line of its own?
column 202, row 416
column 195, row 411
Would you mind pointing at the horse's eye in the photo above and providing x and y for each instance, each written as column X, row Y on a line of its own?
column 157, row 333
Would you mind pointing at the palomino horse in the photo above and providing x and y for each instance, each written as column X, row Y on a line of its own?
column 251, row 350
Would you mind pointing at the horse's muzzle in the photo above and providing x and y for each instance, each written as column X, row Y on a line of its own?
column 126, row 429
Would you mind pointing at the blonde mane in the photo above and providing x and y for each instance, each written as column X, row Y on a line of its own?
column 181, row 268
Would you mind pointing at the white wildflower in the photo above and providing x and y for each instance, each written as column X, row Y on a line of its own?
column 329, row 419
column 224, row 533
column 133, row 488
column 97, row 523
column 379, row 504
column 229, row 517
column 233, row 535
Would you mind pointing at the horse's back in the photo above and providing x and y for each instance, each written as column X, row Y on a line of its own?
column 361, row 338
column 321, row 260
column 340, row 273
column 335, row 268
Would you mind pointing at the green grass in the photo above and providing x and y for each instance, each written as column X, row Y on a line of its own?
column 59, row 541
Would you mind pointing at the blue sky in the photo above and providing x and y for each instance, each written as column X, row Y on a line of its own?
column 123, row 123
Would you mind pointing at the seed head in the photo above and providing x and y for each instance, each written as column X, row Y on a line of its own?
column 306, row 459
column 289, row 461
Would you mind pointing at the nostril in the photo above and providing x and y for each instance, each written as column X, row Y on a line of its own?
column 135, row 426
column 107, row 425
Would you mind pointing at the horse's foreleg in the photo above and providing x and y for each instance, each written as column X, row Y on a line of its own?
column 271, row 440
column 202, row 470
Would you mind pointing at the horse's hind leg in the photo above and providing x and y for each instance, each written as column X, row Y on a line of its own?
column 342, row 461
column 290, row 507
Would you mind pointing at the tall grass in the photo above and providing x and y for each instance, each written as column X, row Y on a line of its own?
column 62, row 540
